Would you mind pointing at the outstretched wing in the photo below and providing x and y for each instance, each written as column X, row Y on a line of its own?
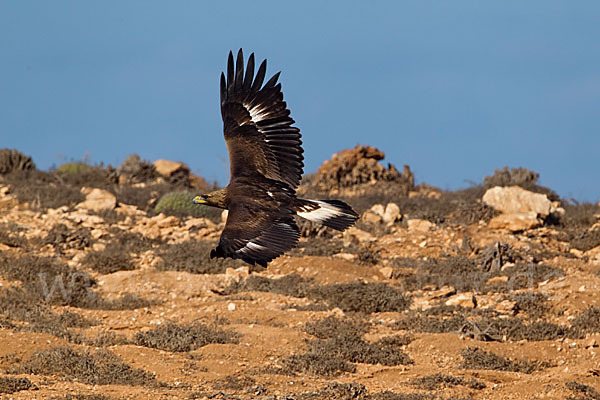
column 257, row 124
column 256, row 236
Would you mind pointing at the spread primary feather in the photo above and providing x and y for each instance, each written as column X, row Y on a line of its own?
column 266, row 165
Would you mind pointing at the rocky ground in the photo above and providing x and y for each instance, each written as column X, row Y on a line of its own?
column 107, row 291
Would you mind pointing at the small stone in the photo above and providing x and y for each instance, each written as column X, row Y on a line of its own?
column 353, row 233
column 231, row 306
column 462, row 300
column 497, row 279
column 346, row 256
column 576, row 252
column 378, row 209
column 169, row 221
column 443, row 292
column 505, row 306
column 387, row 272
column 391, row 214
column 594, row 255
column 371, row 218
column 97, row 200
column 419, row 225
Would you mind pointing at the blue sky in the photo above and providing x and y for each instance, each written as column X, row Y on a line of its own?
column 453, row 89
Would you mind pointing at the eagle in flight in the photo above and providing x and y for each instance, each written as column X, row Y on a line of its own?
column 266, row 162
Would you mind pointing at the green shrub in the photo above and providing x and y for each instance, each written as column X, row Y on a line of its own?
column 180, row 204
column 73, row 168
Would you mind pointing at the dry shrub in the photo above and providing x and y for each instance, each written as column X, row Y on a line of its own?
column 583, row 392
column 235, row 383
column 81, row 397
column 316, row 364
column 331, row 327
column 179, row 338
column 486, row 328
column 136, row 170
column 356, row 391
column 114, row 257
column 361, row 297
column 62, row 238
column 50, row 281
column 440, row 381
column 476, row 358
column 522, row 177
column 106, row 339
column 468, row 274
column 98, row 368
column 13, row 160
column 17, row 305
column 339, row 342
column 194, row 256
column 290, row 285
column 588, row 321
column 10, row 237
column 43, row 190
column 535, row 305
column 579, row 217
column 143, row 197
column 9, row 384
column 585, row 240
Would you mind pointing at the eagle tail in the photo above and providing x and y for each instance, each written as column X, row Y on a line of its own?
column 332, row 213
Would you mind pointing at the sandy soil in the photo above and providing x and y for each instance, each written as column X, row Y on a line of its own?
column 268, row 327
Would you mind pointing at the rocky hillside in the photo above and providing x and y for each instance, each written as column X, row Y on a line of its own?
column 107, row 290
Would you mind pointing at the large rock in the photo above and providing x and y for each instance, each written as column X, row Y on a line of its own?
column 516, row 200
column 175, row 172
column 360, row 166
column 515, row 222
column 167, row 168
column 97, row 200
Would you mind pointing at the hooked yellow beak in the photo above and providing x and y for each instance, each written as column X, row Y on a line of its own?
column 199, row 200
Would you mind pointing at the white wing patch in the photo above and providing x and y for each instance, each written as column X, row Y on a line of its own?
column 251, row 246
column 257, row 113
column 325, row 212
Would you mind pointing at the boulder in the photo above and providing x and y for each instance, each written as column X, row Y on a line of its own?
column 516, row 200
column 167, row 168
column 173, row 171
column 97, row 200
column 360, row 166
column 515, row 222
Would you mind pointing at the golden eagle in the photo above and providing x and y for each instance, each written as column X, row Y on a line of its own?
column 265, row 157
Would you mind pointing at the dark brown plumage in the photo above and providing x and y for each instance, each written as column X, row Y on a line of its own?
column 266, row 165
